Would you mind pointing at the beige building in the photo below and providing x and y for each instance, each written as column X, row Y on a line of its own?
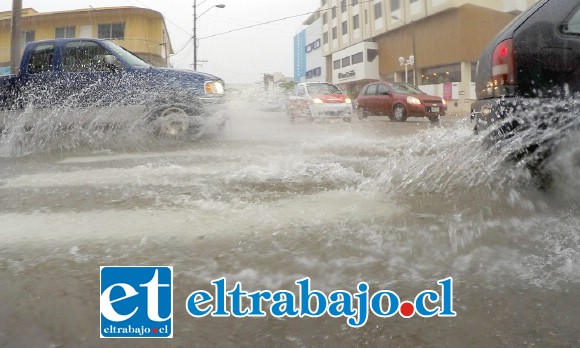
column 445, row 38
column 139, row 30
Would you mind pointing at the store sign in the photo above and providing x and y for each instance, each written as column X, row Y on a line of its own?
column 347, row 75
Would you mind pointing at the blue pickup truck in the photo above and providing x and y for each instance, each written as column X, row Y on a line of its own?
column 95, row 83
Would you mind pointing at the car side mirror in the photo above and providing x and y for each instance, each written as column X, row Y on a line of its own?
column 112, row 62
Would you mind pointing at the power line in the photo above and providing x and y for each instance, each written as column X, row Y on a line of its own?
column 281, row 19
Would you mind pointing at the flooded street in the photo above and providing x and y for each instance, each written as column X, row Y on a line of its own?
column 397, row 205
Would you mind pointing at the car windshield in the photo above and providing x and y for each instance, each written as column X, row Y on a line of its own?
column 322, row 88
column 128, row 56
column 405, row 88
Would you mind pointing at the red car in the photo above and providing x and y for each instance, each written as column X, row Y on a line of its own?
column 319, row 100
column 398, row 100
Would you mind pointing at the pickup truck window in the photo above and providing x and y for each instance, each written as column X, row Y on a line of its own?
column 84, row 57
column 41, row 59
column 127, row 56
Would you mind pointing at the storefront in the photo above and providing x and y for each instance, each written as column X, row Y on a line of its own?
column 355, row 66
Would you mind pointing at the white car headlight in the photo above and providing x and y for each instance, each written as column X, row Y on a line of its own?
column 214, row 87
column 348, row 101
column 317, row 101
column 413, row 100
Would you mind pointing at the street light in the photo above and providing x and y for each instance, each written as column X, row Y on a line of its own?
column 414, row 53
column 407, row 62
column 195, row 17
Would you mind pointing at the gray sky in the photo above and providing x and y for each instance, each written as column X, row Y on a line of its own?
column 236, row 57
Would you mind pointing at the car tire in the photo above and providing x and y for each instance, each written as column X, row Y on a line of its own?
column 435, row 120
column 171, row 121
column 399, row 113
column 347, row 119
column 361, row 113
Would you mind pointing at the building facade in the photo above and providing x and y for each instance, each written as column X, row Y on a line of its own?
column 141, row 31
column 444, row 37
column 310, row 64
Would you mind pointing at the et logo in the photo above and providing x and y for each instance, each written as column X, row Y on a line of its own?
column 136, row 302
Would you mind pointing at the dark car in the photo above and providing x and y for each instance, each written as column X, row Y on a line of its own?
column 318, row 100
column 398, row 100
column 527, row 85
column 535, row 58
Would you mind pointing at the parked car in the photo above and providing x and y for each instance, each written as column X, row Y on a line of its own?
column 318, row 100
column 534, row 59
column 398, row 100
column 528, row 83
column 91, row 74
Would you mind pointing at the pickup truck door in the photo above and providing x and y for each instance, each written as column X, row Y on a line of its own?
column 35, row 82
column 90, row 76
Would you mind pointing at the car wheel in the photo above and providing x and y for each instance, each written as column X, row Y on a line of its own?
column 361, row 113
column 399, row 113
column 434, row 119
column 347, row 119
column 171, row 122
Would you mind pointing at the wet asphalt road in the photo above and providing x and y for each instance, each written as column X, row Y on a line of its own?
column 397, row 205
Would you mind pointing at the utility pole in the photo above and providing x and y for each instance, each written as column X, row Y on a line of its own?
column 15, row 36
column 195, row 35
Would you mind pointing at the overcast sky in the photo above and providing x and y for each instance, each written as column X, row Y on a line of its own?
column 237, row 57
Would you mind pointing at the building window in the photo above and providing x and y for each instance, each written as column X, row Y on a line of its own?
column 313, row 73
column 378, row 10
column 355, row 22
column 323, row 2
column 343, row 6
column 372, row 54
column 27, row 36
column 64, row 33
column 325, row 18
column 334, row 12
column 473, row 71
column 412, row 1
column 336, row 64
column 395, row 5
column 357, row 58
column 354, row 2
column 308, row 48
column 334, row 33
column 111, row 31
column 345, row 61
column 316, row 44
column 344, row 28
column 325, row 37
column 441, row 74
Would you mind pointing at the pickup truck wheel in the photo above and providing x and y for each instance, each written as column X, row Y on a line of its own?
column 399, row 113
column 171, row 122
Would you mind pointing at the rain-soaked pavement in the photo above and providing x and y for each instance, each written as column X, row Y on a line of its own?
column 267, row 202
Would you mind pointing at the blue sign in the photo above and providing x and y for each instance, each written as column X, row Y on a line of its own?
column 136, row 302
column 4, row 70
column 299, row 56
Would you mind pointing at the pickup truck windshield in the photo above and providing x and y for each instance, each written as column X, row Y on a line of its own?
column 127, row 56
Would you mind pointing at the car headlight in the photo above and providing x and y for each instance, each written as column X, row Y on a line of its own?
column 214, row 87
column 443, row 101
column 348, row 101
column 317, row 101
column 413, row 100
